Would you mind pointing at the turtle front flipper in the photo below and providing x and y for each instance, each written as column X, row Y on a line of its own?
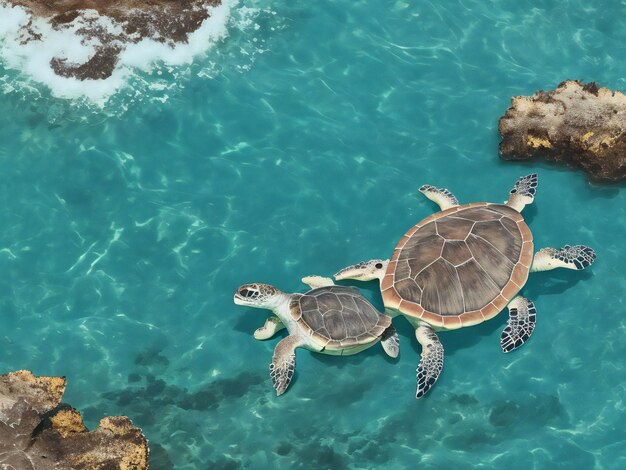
column 315, row 282
column 431, row 362
column 523, row 193
column 575, row 257
column 272, row 326
column 521, row 324
column 284, row 363
column 440, row 196
column 391, row 341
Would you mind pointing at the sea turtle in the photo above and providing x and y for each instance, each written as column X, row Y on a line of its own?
column 328, row 319
column 462, row 266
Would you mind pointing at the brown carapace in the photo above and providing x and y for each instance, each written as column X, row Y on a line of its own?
column 461, row 266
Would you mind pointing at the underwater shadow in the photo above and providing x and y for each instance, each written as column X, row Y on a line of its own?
column 339, row 362
column 553, row 282
column 465, row 338
column 608, row 191
column 534, row 163
column 530, row 212
column 244, row 324
column 248, row 320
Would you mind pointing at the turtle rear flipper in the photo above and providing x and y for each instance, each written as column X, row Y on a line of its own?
column 391, row 342
column 521, row 324
column 431, row 363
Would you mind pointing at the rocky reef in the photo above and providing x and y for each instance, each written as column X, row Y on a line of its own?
column 38, row 432
column 580, row 125
column 107, row 26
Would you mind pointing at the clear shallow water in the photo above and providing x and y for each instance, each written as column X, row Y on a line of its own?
column 127, row 229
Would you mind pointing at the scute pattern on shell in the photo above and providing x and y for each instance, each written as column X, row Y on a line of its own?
column 460, row 266
column 338, row 316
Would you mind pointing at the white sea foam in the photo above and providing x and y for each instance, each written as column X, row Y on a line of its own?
column 32, row 58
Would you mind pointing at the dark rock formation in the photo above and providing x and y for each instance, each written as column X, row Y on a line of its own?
column 38, row 432
column 583, row 126
column 166, row 21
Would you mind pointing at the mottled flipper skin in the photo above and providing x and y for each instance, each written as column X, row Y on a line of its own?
column 431, row 363
column 524, row 191
column 580, row 256
column 577, row 257
column 526, row 185
column 284, row 363
column 521, row 324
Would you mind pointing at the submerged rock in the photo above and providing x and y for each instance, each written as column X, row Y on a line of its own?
column 578, row 124
column 38, row 432
column 107, row 26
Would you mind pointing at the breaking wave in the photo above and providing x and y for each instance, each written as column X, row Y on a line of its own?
column 35, row 51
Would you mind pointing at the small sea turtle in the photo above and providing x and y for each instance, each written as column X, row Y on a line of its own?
column 328, row 319
column 462, row 266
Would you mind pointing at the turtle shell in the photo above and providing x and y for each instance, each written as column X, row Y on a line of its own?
column 338, row 317
column 461, row 266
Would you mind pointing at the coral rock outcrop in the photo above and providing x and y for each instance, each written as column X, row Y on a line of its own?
column 580, row 125
column 38, row 432
column 110, row 25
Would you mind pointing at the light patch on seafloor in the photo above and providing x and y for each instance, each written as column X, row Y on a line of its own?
column 31, row 59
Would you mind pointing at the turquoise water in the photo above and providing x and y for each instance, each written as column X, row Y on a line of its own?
column 127, row 229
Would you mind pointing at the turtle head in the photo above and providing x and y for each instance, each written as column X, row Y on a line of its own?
column 258, row 296
column 364, row 271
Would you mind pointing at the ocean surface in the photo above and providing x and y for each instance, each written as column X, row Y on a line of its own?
column 294, row 144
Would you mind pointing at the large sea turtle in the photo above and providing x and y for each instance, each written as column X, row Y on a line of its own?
column 328, row 319
column 462, row 266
